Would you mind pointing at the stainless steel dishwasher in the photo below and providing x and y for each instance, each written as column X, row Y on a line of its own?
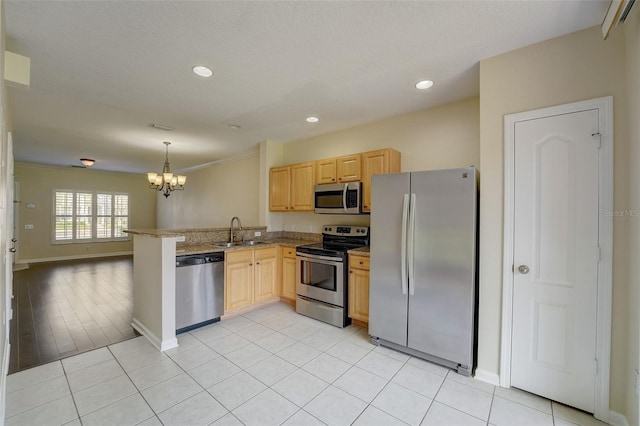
column 199, row 290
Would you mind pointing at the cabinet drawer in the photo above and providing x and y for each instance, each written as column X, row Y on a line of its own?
column 266, row 253
column 289, row 252
column 358, row 262
column 236, row 256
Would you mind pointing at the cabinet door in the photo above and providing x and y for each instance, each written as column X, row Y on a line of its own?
column 279, row 189
column 238, row 289
column 302, row 182
column 377, row 162
column 359, row 294
column 348, row 168
column 265, row 273
column 326, row 171
column 289, row 273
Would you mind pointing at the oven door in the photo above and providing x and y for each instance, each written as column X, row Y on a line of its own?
column 320, row 278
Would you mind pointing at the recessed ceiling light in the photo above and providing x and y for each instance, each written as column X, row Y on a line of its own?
column 312, row 119
column 233, row 126
column 424, row 84
column 202, row 71
column 87, row 162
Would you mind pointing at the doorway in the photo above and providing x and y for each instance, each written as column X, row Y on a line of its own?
column 558, row 253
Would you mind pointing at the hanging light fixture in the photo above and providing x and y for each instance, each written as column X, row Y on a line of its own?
column 166, row 181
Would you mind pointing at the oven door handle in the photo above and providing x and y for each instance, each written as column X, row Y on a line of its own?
column 326, row 260
column 344, row 197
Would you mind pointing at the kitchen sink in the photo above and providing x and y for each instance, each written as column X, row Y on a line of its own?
column 239, row 244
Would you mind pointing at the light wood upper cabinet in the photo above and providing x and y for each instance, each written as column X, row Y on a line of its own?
column 348, row 168
column 359, row 288
column 382, row 161
column 291, row 187
column 279, row 188
column 289, row 273
column 326, row 171
column 303, row 178
column 339, row 170
column 250, row 276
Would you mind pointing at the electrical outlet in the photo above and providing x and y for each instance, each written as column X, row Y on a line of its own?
column 257, row 234
column 28, row 226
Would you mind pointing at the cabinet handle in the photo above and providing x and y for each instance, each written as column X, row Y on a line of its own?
column 339, row 178
column 350, row 271
column 361, row 262
column 251, row 264
column 287, row 208
column 333, row 180
column 257, row 263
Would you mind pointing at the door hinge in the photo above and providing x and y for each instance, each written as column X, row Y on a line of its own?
column 599, row 139
column 597, row 254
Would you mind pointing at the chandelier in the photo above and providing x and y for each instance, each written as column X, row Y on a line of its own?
column 166, row 181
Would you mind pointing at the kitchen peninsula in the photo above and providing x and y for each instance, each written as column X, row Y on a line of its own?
column 154, row 271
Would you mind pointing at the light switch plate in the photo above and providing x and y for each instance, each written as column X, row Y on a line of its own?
column 257, row 234
column 31, row 205
column 28, row 226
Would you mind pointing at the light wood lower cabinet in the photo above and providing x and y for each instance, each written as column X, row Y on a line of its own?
column 250, row 276
column 359, row 288
column 289, row 273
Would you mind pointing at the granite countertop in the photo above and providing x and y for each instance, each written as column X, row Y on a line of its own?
column 208, row 248
column 362, row 251
column 157, row 233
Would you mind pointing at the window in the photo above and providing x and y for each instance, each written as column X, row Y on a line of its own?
column 89, row 216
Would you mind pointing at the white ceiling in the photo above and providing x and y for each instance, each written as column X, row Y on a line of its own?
column 102, row 71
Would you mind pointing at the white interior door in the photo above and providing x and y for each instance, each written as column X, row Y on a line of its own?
column 556, row 257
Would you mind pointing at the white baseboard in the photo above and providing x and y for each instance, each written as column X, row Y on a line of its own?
column 617, row 419
column 155, row 340
column 75, row 257
column 485, row 376
column 3, row 379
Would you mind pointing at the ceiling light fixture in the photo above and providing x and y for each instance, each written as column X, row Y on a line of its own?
column 424, row 84
column 202, row 71
column 87, row 162
column 166, row 181
column 312, row 119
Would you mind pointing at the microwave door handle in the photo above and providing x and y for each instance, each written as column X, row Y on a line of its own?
column 344, row 197
column 403, row 246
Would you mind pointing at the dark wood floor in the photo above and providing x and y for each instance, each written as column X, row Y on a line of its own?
column 64, row 308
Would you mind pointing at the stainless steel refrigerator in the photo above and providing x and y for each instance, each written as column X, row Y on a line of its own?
column 423, row 277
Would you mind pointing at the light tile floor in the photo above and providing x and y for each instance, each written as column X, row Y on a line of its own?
column 267, row 367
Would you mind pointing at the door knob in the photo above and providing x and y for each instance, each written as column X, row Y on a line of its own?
column 12, row 250
column 523, row 269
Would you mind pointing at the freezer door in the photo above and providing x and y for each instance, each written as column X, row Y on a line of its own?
column 441, row 307
column 388, row 296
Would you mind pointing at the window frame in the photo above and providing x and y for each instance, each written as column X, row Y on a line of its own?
column 94, row 216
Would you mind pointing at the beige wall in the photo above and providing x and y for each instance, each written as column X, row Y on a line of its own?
column 435, row 138
column 213, row 195
column 632, row 33
column 36, row 185
column 575, row 67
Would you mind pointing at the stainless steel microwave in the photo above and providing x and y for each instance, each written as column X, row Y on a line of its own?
column 339, row 198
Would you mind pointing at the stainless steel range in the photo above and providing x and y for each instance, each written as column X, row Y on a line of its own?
column 321, row 271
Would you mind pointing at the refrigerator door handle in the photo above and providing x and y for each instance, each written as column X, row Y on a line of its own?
column 411, row 231
column 403, row 249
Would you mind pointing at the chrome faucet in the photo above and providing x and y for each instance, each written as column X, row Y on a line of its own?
column 231, row 227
